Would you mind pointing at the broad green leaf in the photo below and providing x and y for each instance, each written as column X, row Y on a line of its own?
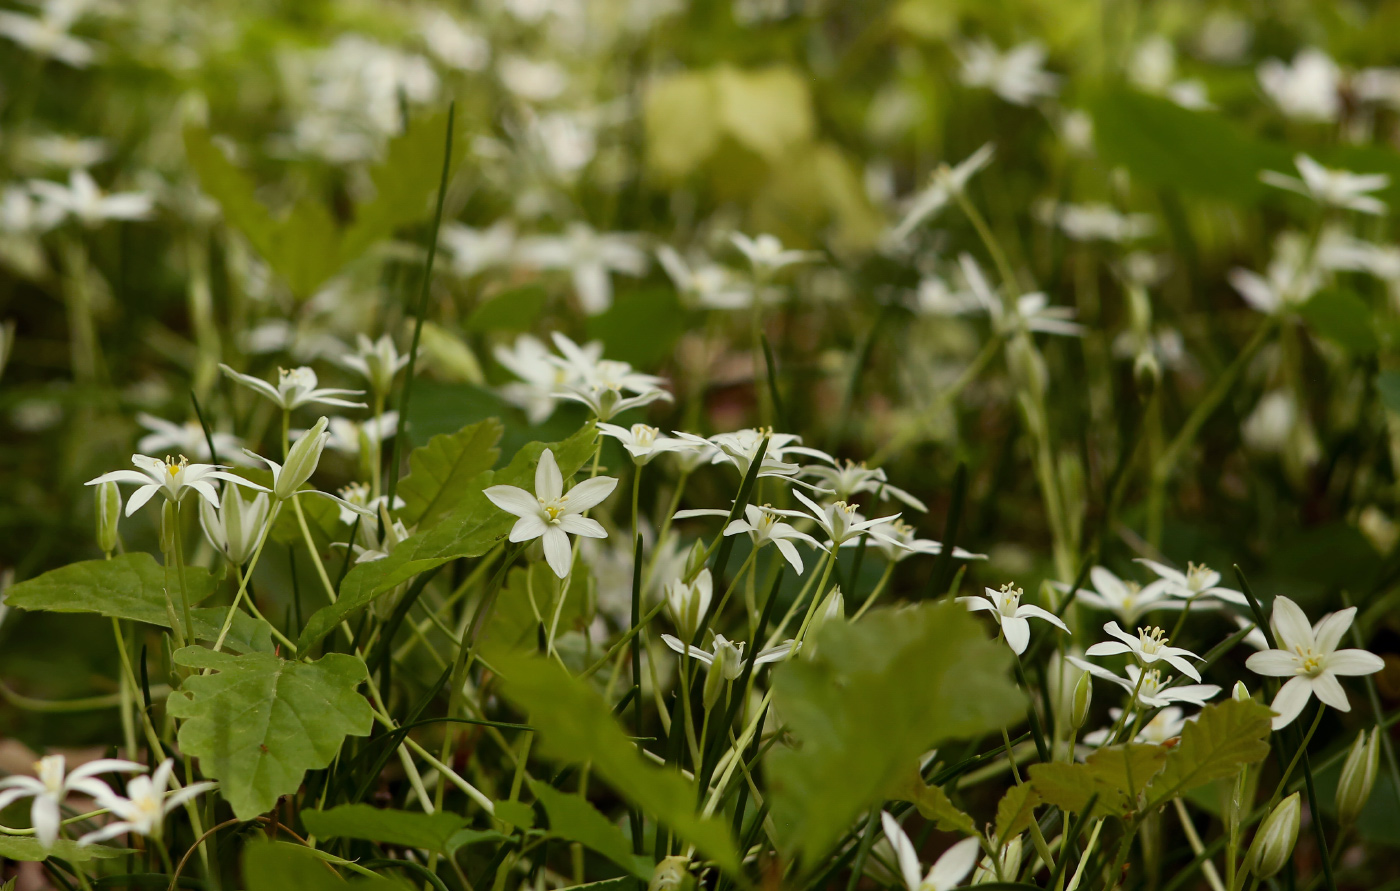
column 469, row 530
column 1015, row 811
column 575, row 725
column 442, row 832
column 131, row 586
column 245, row 635
column 446, row 356
column 516, row 813
column 933, row 804
column 307, row 250
column 232, row 189
column 1345, row 319
column 1222, row 739
column 572, row 817
column 278, row 866
column 259, row 723
column 769, row 112
column 874, row 697
column 1117, row 774
column 448, row 469
column 516, row 309
column 26, row 849
column 527, row 601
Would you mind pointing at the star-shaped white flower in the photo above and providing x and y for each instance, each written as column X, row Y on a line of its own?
column 1199, row 580
column 1017, row 75
column 1154, row 691
column 1149, row 646
column 642, row 441
column 144, row 808
column 1011, row 614
column 896, row 540
column 728, row 655
column 764, row 525
column 766, row 253
column 1332, row 188
column 172, row 479
column 1126, row 599
column 704, row 283
column 541, row 375
column 1165, row 726
column 295, row 387
column 187, row 439
column 1030, row 312
column 590, row 257
column 847, row 479
column 840, row 520
column 551, row 514
column 86, row 203
column 377, row 361
column 54, row 784
column 947, row 871
column 947, row 183
column 1309, row 657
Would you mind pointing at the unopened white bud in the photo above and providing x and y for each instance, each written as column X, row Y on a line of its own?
column 1241, row 692
column 1083, row 698
column 1273, row 843
column 689, row 602
column 302, row 459
column 1358, row 777
column 109, row 513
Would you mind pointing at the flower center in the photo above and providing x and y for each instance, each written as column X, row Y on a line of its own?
column 1196, row 574
column 173, row 467
column 1310, row 661
column 1010, row 599
column 644, row 434
column 1152, row 640
column 554, row 509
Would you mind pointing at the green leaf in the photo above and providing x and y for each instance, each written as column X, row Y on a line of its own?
column 278, row 866
column 1117, row 774
column 1222, row 739
column 641, row 327
column 245, row 635
column 575, row 725
column 1015, row 811
column 933, row 804
column 768, row 111
column 232, row 189
column 259, row 723
column 131, row 586
column 26, row 849
column 872, row 699
column 572, row 817
column 516, row 309
column 516, row 813
column 444, row 472
column 682, row 123
column 526, row 601
column 469, row 530
column 1345, row 319
column 1388, row 386
column 441, row 832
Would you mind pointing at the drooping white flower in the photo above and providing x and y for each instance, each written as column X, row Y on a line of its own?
column 1011, row 614
column 589, row 257
column 377, row 361
column 1154, row 691
column 1290, row 280
column 1332, row 188
column 1030, row 312
column 946, row 873
column 1308, row 89
column 704, row 283
column 186, row 439
column 235, row 526
column 946, row 184
column 295, row 387
column 144, row 808
column 847, row 479
column 764, row 525
column 1151, row 645
column 344, row 435
column 1018, row 75
column 642, row 441
column 1199, row 580
column 82, row 200
column 1164, row 726
column 896, row 540
column 54, row 784
column 767, row 255
column 171, row 478
column 1309, row 657
column 1126, row 599
column 551, row 514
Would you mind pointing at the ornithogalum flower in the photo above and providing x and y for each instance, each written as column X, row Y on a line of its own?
column 1149, row 646
column 171, row 478
column 1309, row 657
column 145, row 806
column 690, row 601
column 947, row 871
column 764, row 525
column 551, row 514
column 1126, row 599
column 295, row 388
column 1198, row 581
column 642, row 441
column 235, row 526
column 377, row 361
column 767, row 255
column 1153, row 690
column 947, row 183
column 1011, row 614
column 1332, row 188
column 53, row 784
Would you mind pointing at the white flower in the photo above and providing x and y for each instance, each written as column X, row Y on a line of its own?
column 1031, row 312
column 22, row 214
column 741, row 446
column 607, row 402
column 766, row 254
column 590, row 257
column 1153, row 70
column 476, row 250
column 85, row 202
column 144, row 809
column 234, row 527
column 947, row 183
column 551, row 514
column 1308, row 89
column 1127, row 600
column 172, row 479
column 53, row 150
column 47, row 34
column 1332, row 188
column 378, row 361
column 568, row 141
column 294, row 389
column 1271, row 424
column 704, row 283
column 689, row 602
column 452, row 42
column 1165, row 726
column 1154, row 690
column 1150, row 645
column 585, row 366
column 764, row 525
column 187, row 438
column 847, row 479
column 947, row 871
column 1018, row 75
column 839, row 520
column 1011, row 615
column 344, row 434
column 1100, row 222
column 1199, row 580
column 53, row 784
column 355, row 502
column 728, row 655
column 642, row 441
column 1309, row 657
column 541, row 376
column 896, row 541
column 1289, row 282
column 531, row 80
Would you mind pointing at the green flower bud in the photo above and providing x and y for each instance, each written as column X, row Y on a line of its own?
column 302, row 459
column 728, row 664
column 688, row 603
column 1358, row 777
column 1083, row 698
column 109, row 513
column 1241, row 692
column 672, row 875
column 832, row 609
column 1273, row 843
column 235, row 526
column 695, row 560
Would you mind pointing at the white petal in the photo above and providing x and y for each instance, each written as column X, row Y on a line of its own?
column 549, row 483
column 1291, row 625
column 1184, row 667
column 45, row 817
column 139, row 498
column 1273, row 664
column 976, row 603
column 514, row 500
column 528, row 528
column 1027, row 610
column 1350, row 663
column 1108, row 648
column 1018, row 633
column 954, row 865
column 1328, row 689
column 583, row 526
column 1290, row 701
column 789, row 552
column 556, row 550
column 590, row 493
column 904, row 852
column 1329, row 631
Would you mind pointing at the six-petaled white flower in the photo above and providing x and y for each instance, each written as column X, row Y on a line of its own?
column 1199, row 580
column 82, row 200
column 1153, row 690
column 764, row 525
column 947, row 183
column 145, row 806
column 767, row 255
column 1011, row 614
column 1332, row 188
column 1309, row 657
column 1029, row 312
column 550, row 513
column 295, row 387
column 377, row 361
column 1149, row 646
column 1125, row 598
column 171, row 478
column 55, row 783
column 642, row 441
column 946, row 873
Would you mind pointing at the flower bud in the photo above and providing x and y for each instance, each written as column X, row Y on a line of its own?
column 1273, row 843
column 1147, row 372
column 235, row 526
column 109, row 512
column 689, row 602
column 1083, row 698
column 1241, row 692
column 671, row 875
column 728, row 664
column 832, row 608
column 301, row 462
column 695, row 560
column 1358, row 777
